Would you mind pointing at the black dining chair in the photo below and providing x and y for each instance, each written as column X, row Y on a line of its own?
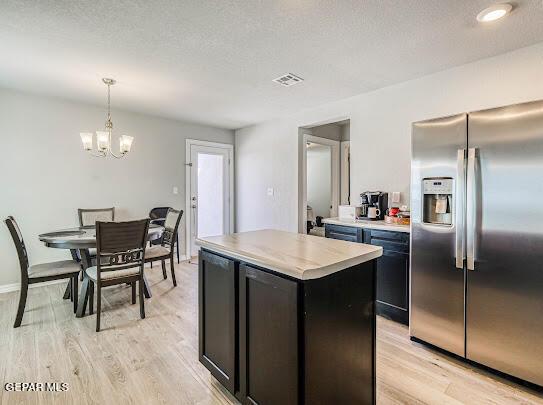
column 166, row 248
column 158, row 217
column 120, row 259
column 39, row 273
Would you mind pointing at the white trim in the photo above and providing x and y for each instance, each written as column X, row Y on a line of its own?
column 230, row 149
column 344, row 175
column 335, row 120
column 6, row 288
column 302, row 226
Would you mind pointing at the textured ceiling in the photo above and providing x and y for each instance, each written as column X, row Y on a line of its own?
column 212, row 61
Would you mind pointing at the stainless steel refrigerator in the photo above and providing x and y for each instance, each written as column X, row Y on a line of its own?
column 477, row 237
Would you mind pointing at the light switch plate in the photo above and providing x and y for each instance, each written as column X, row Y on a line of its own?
column 175, row 190
column 270, row 191
column 395, row 197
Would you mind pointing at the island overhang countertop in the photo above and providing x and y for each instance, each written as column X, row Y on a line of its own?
column 303, row 257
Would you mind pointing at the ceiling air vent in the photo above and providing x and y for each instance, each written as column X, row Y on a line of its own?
column 288, row 79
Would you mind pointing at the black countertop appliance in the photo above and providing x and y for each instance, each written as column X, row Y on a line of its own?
column 377, row 199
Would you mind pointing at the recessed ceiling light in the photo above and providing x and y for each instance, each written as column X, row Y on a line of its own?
column 494, row 12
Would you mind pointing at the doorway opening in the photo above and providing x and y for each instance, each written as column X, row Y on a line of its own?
column 209, row 191
column 324, row 182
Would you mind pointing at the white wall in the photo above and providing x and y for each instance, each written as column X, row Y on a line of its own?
column 380, row 132
column 46, row 175
column 319, row 179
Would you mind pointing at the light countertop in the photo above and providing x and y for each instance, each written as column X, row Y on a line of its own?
column 297, row 255
column 382, row 225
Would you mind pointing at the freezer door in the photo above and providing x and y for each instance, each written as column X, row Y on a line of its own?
column 437, row 265
column 505, row 238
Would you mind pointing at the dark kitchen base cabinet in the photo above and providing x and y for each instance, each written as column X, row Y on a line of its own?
column 296, row 341
column 392, row 268
column 217, row 284
column 268, row 339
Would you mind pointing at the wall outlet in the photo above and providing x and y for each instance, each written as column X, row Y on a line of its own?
column 270, row 191
column 395, row 197
column 175, row 190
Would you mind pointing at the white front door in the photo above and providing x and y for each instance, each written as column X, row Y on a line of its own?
column 209, row 207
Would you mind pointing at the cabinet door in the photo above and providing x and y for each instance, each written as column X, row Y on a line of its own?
column 392, row 269
column 393, row 286
column 269, row 370
column 392, row 274
column 217, row 288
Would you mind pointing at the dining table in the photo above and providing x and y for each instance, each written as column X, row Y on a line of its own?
column 79, row 241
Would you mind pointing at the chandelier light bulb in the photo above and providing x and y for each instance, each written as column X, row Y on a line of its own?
column 125, row 143
column 86, row 138
column 102, row 140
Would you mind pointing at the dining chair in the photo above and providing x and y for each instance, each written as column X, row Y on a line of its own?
column 120, row 259
column 39, row 273
column 165, row 250
column 89, row 216
column 87, row 219
column 158, row 216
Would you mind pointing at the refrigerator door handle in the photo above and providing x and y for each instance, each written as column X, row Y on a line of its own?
column 471, row 209
column 459, row 215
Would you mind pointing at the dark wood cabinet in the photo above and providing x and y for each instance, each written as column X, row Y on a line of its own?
column 339, row 334
column 392, row 273
column 393, row 286
column 268, row 307
column 217, row 292
column 392, row 268
column 273, row 339
column 348, row 233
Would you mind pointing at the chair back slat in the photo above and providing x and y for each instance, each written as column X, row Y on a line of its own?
column 89, row 216
column 121, row 245
column 171, row 226
column 17, row 237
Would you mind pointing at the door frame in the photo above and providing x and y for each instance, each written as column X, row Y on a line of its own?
column 188, row 172
column 345, row 172
column 302, row 226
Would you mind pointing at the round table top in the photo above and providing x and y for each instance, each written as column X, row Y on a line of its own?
column 84, row 238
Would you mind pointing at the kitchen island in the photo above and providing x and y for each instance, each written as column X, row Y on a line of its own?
column 286, row 318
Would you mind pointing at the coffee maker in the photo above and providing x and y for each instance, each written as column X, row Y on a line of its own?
column 376, row 199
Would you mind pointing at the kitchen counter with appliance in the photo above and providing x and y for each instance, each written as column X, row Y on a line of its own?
column 281, row 315
column 367, row 224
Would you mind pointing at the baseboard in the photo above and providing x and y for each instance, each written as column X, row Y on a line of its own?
column 6, row 288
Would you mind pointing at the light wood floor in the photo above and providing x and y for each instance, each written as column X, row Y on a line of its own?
column 155, row 360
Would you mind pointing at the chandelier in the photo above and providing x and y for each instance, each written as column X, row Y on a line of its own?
column 103, row 138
